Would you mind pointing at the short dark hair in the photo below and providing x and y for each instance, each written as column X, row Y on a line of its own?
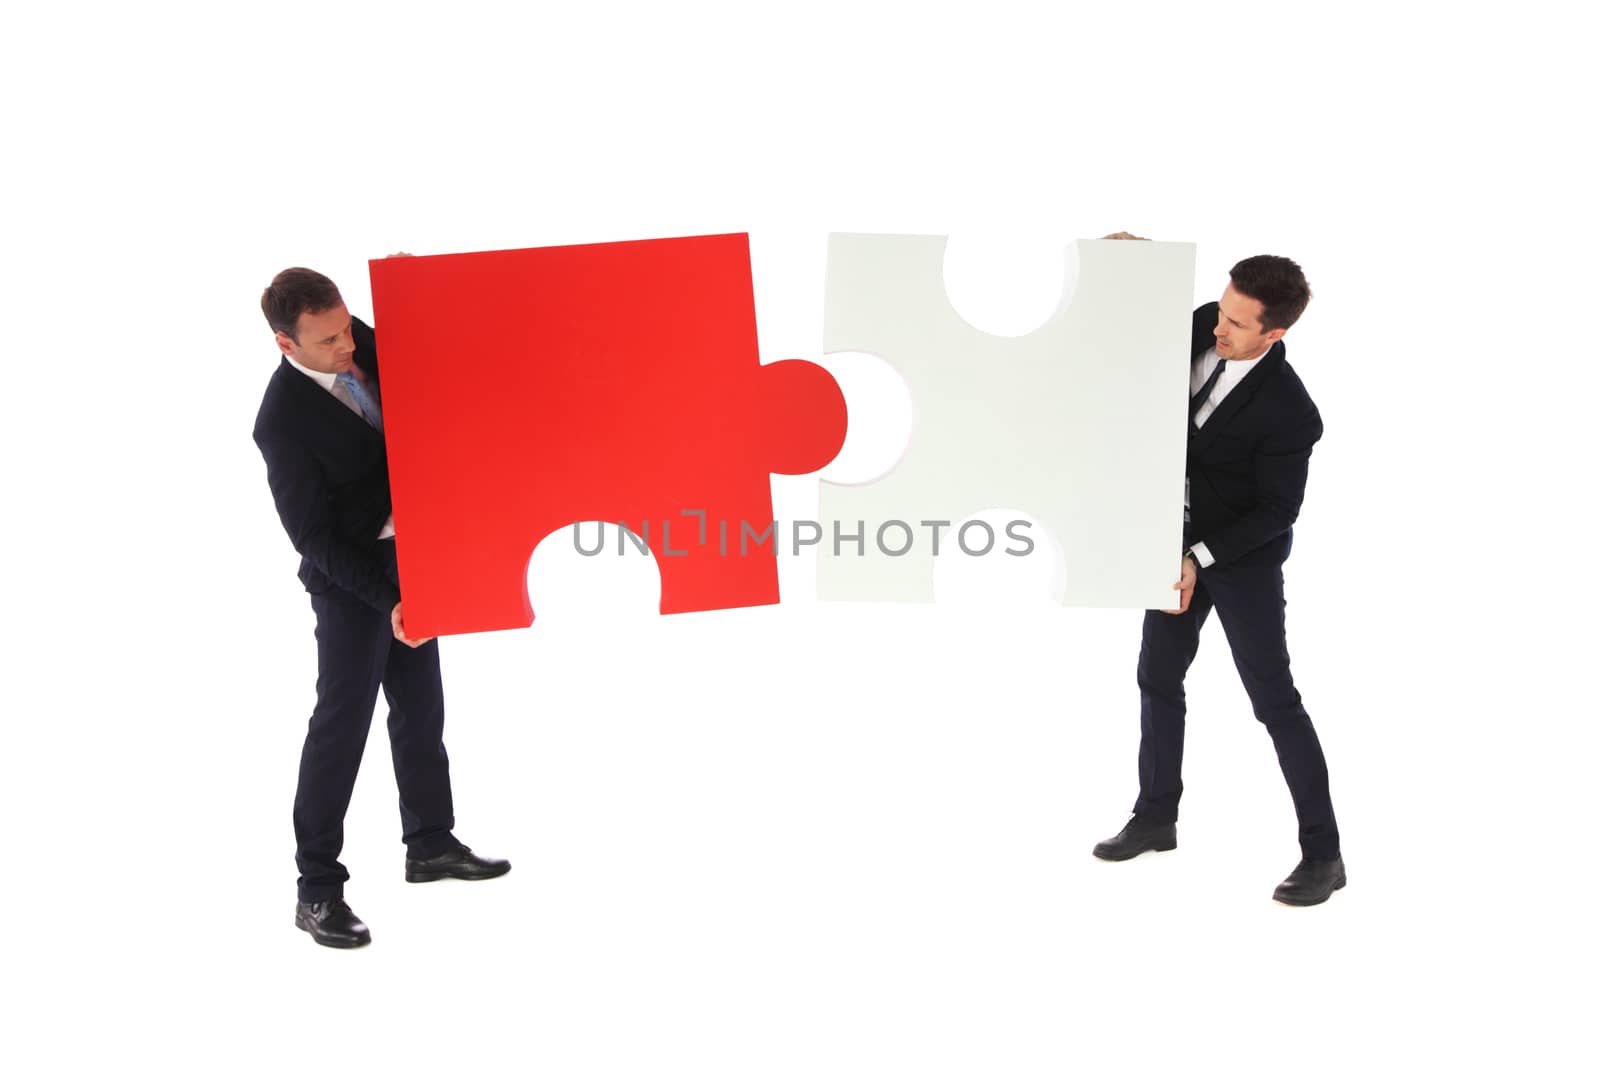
column 1278, row 283
column 293, row 292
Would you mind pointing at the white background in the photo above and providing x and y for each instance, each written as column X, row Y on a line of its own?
column 803, row 834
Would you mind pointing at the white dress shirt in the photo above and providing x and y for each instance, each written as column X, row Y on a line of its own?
column 1232, row 374
column 332, row 384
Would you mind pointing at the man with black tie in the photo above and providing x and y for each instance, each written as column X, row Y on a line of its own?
column 1251, row 430
column 320, row 430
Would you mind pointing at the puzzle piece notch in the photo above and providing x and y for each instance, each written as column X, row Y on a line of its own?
column 1008, row 286
column 527, row 390
column 1079, row 423
column 593, row 575
column 880, row 417
column 1025, row 567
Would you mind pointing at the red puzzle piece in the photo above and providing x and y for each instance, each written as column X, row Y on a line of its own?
column 527, row 390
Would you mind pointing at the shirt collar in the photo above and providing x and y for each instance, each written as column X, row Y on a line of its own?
column 1235, row 368
column 322, row 378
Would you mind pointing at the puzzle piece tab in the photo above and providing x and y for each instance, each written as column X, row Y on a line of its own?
column 527, row 390
column 1079, row 424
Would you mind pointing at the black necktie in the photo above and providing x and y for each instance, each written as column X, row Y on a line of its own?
column 1205, row 391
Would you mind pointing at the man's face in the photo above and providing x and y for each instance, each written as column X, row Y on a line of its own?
column 1238, row 333
column 324, row 343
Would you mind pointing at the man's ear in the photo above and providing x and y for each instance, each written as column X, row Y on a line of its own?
column 1274, row 336
column 285, row 343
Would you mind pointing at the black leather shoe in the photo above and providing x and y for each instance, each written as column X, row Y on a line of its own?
column 331, row 923
column 1312, row 882
column 1140, row 835
column 458, row 862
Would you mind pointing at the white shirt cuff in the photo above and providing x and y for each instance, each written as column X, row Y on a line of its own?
column 1202, row 554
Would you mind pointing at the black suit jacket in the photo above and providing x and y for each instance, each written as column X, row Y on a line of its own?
column 1247, row 465
column 329, row 475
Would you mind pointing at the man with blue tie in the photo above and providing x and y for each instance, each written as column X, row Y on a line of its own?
column 320, row 430
column 1251, row 430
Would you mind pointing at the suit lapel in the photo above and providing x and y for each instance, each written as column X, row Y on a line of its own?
column 314, row 396
column 1238, row 397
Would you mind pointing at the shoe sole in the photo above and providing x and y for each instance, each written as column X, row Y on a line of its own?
column 1338, row 885
column 436, row 876
column 330, row 942
column 1119, row 859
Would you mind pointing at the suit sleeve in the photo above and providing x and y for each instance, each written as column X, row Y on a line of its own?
column 302, row 498
column 1281, row 464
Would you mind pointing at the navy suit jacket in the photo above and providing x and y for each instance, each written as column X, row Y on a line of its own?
column 1247, row 465
column 329, row 475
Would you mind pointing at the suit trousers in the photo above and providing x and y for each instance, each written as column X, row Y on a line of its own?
column 1248, row 599
column 357, row 654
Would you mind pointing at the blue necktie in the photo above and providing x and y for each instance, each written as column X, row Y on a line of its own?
column 368, row 405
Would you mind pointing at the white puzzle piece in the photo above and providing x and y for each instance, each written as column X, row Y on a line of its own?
column 1080, row 424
